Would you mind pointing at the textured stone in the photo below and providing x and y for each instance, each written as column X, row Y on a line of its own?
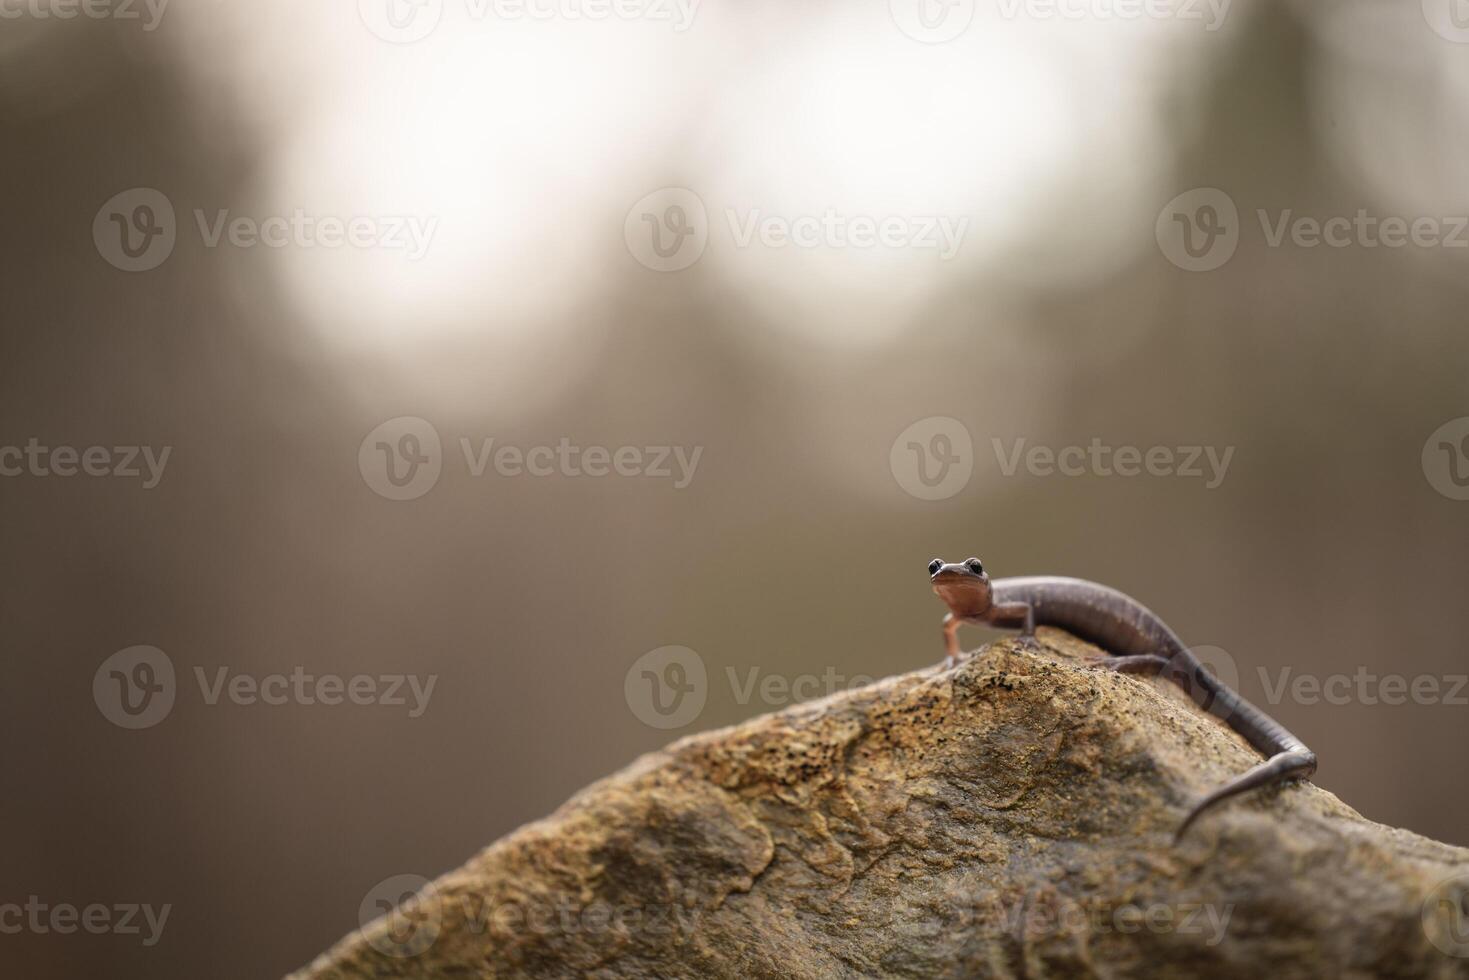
column 1013, row 817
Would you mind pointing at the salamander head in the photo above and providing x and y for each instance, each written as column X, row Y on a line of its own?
column 964, row 586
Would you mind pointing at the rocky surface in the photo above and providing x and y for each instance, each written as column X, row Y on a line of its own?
column 1011, row 818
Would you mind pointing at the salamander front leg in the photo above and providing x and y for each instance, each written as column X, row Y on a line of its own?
column 951, row 639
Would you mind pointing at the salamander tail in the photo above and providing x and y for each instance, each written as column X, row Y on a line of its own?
column 1295, row 764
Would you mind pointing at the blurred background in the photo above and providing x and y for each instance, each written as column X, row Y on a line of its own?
column 834, row 278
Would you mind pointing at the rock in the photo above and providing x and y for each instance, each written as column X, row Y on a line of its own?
column 1013, row 817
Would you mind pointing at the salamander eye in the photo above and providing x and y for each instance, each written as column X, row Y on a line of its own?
column 935, row 565
column 974, row 565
